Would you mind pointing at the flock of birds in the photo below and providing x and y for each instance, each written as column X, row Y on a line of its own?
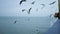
column 31, row 7
column 33, row 4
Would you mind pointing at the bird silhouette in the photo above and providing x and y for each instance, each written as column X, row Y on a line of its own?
column 43, row 6
column 23, row 10
column 29, row 10
column 22, row 1
column 15, row 21
column 33, row 2
column 52, row 3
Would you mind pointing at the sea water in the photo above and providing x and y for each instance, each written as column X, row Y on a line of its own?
column 25, row 25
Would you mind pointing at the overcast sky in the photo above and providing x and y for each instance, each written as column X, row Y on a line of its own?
column 12, row 8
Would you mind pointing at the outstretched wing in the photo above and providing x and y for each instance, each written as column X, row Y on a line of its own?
column 52, row 3
column 29, row 10
column 43, row 6
column 20, row 2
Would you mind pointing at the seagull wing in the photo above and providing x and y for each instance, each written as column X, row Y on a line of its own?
column 20, row 2
column 29, row 10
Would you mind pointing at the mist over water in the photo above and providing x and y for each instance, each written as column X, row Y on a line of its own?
column 25, row 25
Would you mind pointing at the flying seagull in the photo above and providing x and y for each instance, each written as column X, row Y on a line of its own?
column 22, row 1
column 29, row 10
column 23, row 10
column 43, row 6
column 33, row 2
column 15, row 21
column 52, row 3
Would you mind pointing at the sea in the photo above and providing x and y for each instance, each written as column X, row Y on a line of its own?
column 25, row 25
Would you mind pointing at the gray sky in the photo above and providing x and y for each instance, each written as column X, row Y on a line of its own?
column 12, row 8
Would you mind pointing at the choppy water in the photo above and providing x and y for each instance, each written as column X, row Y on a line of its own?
column 25, row 25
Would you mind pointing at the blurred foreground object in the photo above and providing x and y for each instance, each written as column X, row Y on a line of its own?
column 56, row 15
column 59, row 8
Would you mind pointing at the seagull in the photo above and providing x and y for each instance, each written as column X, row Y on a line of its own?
column 52, row 3
column 33, row 2
column 37, row 30
column 23, row 10
column 22, row 1
column 29, row 10
column 15, row 21
column 43, row 6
